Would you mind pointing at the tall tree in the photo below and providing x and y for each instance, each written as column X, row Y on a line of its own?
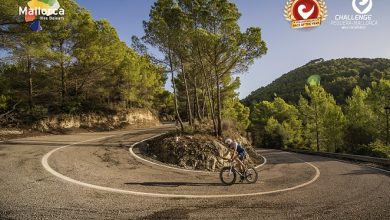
column 162, row 31
column 360, row 129
column 227, row 50
column 62, row 42
column 203, row 35
column 324, row 120
column 30, row 50
column 379, row 101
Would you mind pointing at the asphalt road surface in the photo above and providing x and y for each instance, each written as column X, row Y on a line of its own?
column 95, row 177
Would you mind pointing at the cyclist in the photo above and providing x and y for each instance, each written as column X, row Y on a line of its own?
column 238, row 154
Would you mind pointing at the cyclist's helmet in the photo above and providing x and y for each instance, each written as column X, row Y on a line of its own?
column 228, row 141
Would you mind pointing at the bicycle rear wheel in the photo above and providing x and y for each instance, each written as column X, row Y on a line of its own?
column 251, row 175
column 227, row 176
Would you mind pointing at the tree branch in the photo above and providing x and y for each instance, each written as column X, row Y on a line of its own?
column 10, row 111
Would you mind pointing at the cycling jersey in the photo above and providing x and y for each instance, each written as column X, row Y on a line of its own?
column 238, row 147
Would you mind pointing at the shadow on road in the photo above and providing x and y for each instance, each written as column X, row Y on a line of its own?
column 365, row 172
column 174, row 184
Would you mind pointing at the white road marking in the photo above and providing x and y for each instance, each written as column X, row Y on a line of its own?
column 264, row 162
column 171, row 167
column 45, row 164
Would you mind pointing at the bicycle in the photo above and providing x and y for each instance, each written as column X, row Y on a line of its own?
column 228, row 174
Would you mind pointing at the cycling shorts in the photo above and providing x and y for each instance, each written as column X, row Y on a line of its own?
column 241, row 155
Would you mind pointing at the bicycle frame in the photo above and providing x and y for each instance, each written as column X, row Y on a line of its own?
column 232, row 166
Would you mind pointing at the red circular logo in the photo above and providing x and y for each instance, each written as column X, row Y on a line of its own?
column 305, row 9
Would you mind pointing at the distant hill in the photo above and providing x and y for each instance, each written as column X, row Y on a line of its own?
column 338, row 77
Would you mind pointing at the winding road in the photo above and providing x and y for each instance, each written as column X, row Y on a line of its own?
column 94, row 176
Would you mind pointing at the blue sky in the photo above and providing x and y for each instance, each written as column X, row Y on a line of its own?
column 287, row 48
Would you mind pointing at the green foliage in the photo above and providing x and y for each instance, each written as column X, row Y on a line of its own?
column 294, row 133
column 276, row 124
column 3, row 102
column 274, row 133
column 237, row 112
column 164, row 104
column 324, row 121
column 359, row 130
column 357, row 138
column 358, row 111
column 339, row 77
column 366, row 118
column 378, row 99
column 320, row 124
column 379, row 149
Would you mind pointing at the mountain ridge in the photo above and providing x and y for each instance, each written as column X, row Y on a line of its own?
column 338, row 77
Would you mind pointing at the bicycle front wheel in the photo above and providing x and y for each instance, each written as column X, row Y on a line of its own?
column 251, row 175
column 227, row 176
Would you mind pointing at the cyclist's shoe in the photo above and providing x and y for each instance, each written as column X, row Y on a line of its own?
column 242, row 178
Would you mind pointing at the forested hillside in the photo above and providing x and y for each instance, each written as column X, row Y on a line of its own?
column 72, row 66
column 347, row 111
column 317, row 122
column 338, row 77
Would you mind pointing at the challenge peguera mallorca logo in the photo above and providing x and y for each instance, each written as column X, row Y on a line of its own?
column 305, row 13
column 361, row 19
column 38, row 10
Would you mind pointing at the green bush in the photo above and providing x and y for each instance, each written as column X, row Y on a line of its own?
column 3, row 102
column 375, row 149
column 380, row 149
column 357, row 136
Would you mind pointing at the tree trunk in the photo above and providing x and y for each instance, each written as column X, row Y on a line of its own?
column 317, row 129
column 387, row 109
column 211, row 105
column 178, row 118
column 196, row 104
column 211, row 101
column 318, row 139
column 219, row 106
column 189, row 111
column 63, row 76
column 218, row 82
column 63, row 84
column 30, row 83
column 75, row 88
column 204, row 106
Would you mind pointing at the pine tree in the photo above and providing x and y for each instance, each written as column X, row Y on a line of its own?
column 323, row 119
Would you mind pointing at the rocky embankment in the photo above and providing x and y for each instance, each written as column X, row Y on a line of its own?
column 197, row 152
column 97, row 121
column 15, row 128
